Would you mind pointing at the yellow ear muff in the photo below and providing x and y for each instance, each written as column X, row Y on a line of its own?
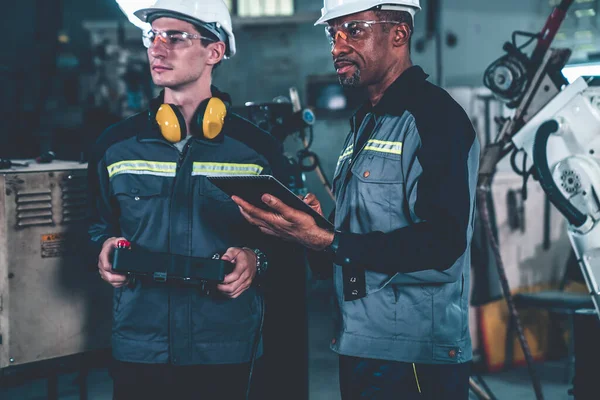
column 171, row 123
column 214, row 118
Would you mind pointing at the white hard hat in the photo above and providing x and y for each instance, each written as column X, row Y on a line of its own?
column 212, row 15
column 338, row 8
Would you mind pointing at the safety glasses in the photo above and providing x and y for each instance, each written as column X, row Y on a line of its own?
column 172, row 40
column 353, row 31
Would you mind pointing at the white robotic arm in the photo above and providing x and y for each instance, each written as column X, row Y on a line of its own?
column 562, row 143
column 557, row 127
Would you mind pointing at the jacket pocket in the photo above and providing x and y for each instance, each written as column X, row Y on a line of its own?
column 449, row 315
column 414, row 311
column 207, row 189
column 375, row 168
column 412, row 294
column 139, row 202
column 216, row 216
column 378, row 191
column 372, row 315
column 142, row 313
column 137, row 188
column 376, row 281
column 224, row 319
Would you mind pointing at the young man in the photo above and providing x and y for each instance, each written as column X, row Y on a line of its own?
column 174, row 340
column 405, row 197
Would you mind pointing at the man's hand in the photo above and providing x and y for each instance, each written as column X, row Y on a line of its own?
column 313, row 202
column 287, row 222
column 243, row 273
column 105, row 264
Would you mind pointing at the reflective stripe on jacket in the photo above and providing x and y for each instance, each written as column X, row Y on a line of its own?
column 405, row 200
column 159, row 198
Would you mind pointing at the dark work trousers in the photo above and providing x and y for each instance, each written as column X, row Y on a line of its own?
column 362, row 378
column 132, row 381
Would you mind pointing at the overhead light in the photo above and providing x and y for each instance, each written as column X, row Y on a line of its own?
column 560, row 36
column 130, row 6
column 584, row 35
column 572, row 72
column 588, row 12
column 585, row 48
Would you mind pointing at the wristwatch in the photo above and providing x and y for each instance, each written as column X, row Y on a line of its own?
column 333, row 247
column 261, row 262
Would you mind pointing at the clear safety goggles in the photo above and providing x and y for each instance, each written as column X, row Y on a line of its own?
column 172, row 40
column 353, row 31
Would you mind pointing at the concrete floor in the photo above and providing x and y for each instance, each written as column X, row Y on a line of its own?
column 323, row 380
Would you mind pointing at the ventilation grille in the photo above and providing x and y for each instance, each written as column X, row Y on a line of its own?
column 34, row 208
column 74, row 198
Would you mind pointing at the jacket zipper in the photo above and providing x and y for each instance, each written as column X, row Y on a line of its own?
column 180, row 160
column 356, row 154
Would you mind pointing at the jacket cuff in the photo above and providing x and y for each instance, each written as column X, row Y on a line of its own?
column 347, row 244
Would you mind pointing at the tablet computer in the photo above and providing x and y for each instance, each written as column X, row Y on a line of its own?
column 252, row 187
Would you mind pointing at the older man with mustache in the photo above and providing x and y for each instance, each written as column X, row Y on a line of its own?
column 405, row 198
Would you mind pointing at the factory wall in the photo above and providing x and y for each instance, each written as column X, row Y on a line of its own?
column 271, row 58
column 279, row 56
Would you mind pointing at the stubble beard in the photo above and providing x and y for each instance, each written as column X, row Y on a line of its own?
column 351, row 82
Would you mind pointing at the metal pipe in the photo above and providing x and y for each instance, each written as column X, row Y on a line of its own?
column 482, row 197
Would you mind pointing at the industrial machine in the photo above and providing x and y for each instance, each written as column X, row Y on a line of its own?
column 556, row 131
column 53, row 304
column 557, row 128
column 283, row 370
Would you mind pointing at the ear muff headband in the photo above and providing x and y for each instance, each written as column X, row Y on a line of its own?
column 214, row 118
column 171, row 123
column 210, row 119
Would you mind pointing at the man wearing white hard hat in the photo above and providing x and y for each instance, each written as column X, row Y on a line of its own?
column 182, row 338
column 405, row 196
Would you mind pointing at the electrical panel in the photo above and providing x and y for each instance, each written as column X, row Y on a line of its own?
column 53, row 302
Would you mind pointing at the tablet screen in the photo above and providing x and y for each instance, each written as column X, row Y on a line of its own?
column 252, row 187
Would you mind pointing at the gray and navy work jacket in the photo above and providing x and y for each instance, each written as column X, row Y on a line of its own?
column 405, row 203
column 158, row 197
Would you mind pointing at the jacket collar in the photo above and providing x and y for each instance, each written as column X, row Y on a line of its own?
column 401, row 90
column 395, row 97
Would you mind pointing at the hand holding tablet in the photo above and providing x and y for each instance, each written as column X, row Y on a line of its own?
column 252, row 187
